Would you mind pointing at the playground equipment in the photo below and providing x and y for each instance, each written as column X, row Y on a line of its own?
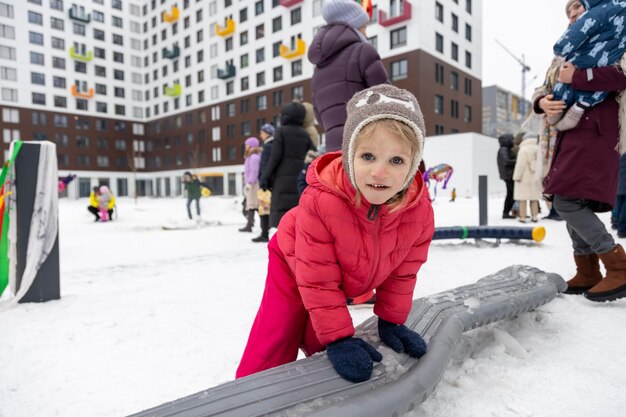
column 311, row 387
column 438, row 173
column 537, row 233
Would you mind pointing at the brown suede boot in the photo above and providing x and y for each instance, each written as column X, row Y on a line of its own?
column 587, row 274
column 613, row 286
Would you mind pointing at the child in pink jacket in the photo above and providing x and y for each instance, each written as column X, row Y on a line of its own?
column 364, row 222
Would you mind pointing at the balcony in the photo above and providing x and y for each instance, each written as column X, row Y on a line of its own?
column 287, row 53
column 383, row 20
column 173, row 91
column 173, row 53
column 229, row 72
column 226, row 30
column 172, row 16
column 79, row 15
column 80, row 94
column 289, row 3
column 85, row 58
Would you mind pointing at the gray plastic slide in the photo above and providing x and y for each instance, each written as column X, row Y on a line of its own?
column 311, row 387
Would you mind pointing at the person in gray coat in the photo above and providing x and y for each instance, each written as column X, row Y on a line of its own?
column 344, row 64
column 290, row 145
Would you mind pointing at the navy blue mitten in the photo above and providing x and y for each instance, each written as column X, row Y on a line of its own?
column 401, row 339
column 352, row 358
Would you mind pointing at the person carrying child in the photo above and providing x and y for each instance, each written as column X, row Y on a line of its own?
column 596, row 39
column 364, row 222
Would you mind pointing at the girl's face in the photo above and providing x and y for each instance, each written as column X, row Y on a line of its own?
column 381, row 165
column 574, row 11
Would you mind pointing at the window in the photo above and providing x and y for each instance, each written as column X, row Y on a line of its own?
column 98, row 34
column 296, row 16
column 296, row 68
column 297, row 92
column 100, row 71
column 6, row 52
column 35, row 38
column 9, row 94
column 467, row 115
column 117, row 21
column 228, row 44
column 9, row 74
column 278, row 73
column 6, row 10
column 454, row 80
column 243, row 15
column 120, row 109
column 243, row 38
column 259, row 31
column 399, row 69
column 454, row 51
column 244, row 106
column 118, row 75
column 258, row 7
column 10, row 115
column 468, row 87
column 276, row 49
column 58, row 82
column 260, row 79
column 37, row 78
column 80, row 67
column 454, row 109
column 277, row 24
column 97, row 16
column 468, row 6
column 277, row 98
column 58, row 43
column 439, row 42
column 116, row 4
column 468, row 32
column 245, row 84
column 38, row 98
column 118, row 40
column 35, row 18
column 243, row 61
column 439, row 130
column 260, row 55
column 468, row 59
column 59, row 120
column 36, row 58
column 78, row 29
column 8, row 32
column 119, row 92
column 439, row 11
column 398, row 37
column 438, row 104
column 455, row 23
column 438, row 73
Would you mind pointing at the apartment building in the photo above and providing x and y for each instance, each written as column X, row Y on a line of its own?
column 135, row 92
column 503, row 111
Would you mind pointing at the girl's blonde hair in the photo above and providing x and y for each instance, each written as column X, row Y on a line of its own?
column 401, row 130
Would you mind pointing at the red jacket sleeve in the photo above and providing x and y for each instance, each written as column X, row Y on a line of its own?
column 394, row 298
column 318, row 274
column 599, row 79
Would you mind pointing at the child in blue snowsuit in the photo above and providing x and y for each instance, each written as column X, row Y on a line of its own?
column 596, row 39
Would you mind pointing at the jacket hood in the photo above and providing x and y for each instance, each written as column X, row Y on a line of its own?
column 292, row 114
column 506, row 140
column 327, row 172
column 329, row 41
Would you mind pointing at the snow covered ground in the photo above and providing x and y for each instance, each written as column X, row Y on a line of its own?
column 150, row 315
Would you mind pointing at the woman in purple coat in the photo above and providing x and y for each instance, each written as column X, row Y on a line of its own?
column 583, row 177
column 344, row 64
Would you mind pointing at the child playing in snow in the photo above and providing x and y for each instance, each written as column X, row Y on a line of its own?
column 596, row 39
column 364, row 222
column 104, row 203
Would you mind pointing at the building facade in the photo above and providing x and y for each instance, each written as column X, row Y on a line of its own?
column 503, row 111
column 135, row 92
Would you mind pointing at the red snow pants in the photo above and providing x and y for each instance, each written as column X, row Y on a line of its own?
column 282, row 324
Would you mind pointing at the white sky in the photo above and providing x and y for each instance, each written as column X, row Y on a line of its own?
column 527, row 28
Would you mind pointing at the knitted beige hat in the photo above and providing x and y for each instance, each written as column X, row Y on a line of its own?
column 382, row 102
column 568, row 4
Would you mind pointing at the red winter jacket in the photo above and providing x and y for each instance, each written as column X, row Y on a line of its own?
column 335, row 252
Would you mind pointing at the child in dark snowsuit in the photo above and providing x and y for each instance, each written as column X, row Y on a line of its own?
column 596, row 39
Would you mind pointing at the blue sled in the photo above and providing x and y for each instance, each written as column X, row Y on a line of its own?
column 537, row 233
column 311, row 387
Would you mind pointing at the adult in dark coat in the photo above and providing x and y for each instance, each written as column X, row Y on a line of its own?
column 267, row 136
column 290, row 145
column 583, row 178
column 506, row 165
column 344, row 64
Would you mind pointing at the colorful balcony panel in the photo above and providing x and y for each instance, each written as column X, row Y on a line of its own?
column 226, row 30
column 383, row 20
column 80, row 94
column 81, row 17
column 172, row 16
column 229, row 72
column 287, row 53
column 173, row 91
column 85, row 58
column 172, row 54
column 289, row 3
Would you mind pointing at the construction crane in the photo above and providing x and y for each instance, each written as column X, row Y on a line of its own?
column 525, row 69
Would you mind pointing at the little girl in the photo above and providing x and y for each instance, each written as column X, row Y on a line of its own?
column 364, row 222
